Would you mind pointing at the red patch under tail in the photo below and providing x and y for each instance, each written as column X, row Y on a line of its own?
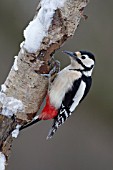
column 49, row 111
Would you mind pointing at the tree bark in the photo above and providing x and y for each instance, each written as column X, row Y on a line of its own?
column 26, row 84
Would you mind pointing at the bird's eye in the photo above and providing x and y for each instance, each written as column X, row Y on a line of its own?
column 83, row 57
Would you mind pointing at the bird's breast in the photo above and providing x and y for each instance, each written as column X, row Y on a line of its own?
column 61, row 85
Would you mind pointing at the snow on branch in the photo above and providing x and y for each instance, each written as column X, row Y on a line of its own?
column 10, row 105
column 15, row 132
column 2, row 161
column 15, row 63
column 38, row 28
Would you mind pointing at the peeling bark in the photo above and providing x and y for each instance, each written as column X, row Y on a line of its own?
column 27, row 84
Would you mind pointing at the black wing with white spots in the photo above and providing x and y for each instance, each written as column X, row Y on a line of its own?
column 64, row 111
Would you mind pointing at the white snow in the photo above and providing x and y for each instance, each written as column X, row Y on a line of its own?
column 15, row 132
column 2, row 161
column 10, row 105
column 3, row 88
column 21, row 46
column 22, row 43
column 38, row 28
column 15, row 63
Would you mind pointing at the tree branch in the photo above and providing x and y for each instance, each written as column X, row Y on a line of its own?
column 25, row 88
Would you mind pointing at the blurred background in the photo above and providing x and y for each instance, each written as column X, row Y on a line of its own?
column 85, row 141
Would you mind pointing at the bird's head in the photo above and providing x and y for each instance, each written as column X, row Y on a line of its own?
column 82, row 60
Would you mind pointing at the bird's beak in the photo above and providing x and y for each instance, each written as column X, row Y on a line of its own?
column 71, row 54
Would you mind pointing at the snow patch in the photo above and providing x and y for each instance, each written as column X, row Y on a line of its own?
column 21, row 44
column 15, row 132
column 3, row 88
column 10, row 105
column 22, row 47
column 15, row 63
column 38, row 28
column 2, row 161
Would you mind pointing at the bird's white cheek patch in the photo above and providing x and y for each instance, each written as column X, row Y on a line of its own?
column 78, row 96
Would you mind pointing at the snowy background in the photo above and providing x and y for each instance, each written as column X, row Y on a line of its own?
column 85, row 141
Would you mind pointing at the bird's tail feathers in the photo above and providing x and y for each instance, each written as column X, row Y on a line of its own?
column 53, row 129
column 59, row 120
column 35, row 120
column 51, row 133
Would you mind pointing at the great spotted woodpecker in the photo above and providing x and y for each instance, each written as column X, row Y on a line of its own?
column 67, row 90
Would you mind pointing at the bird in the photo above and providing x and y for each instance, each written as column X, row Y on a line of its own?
column 68, row 89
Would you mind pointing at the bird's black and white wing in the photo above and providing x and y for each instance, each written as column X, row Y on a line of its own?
column 72, row 98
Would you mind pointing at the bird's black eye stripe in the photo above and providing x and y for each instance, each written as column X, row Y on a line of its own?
column 83, row 57
column 85, row 67
column 90, row 55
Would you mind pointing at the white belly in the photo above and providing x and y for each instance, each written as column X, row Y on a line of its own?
column 61, row 85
